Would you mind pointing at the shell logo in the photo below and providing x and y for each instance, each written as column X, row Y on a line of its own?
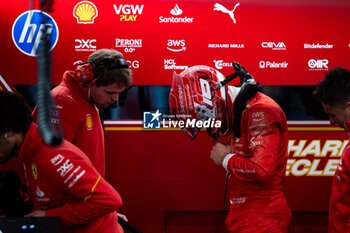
column 85, row 12
column 88, row 122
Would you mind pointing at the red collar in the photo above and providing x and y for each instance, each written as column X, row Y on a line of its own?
column 70, row 82
column 30, row 142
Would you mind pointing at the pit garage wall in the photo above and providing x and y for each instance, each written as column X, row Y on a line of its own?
column 169, row 184
column 280, row 42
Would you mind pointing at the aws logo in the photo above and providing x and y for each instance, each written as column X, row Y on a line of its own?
column 128, row 12
column 85, row 12
column 28, row 29
column 176, row 45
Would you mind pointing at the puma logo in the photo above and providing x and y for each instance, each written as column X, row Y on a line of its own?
column 219, row 7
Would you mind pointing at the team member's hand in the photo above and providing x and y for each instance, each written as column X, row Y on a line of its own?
column 218, row 153
column 123, row 217
column 36, row 213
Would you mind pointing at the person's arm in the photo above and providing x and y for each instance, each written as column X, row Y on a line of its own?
column 101, row 201
column 258, row 162
column 68, row 115
column 93, row 196
column 64, row 115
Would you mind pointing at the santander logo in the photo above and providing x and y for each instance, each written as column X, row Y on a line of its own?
column 176, row 10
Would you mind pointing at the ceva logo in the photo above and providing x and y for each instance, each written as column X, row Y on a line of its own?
column 85, row 12
column 273, row 45
column 27, row 31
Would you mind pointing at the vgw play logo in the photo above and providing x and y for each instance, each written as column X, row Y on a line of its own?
column 28, row 29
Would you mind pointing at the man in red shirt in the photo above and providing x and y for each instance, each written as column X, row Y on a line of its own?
column 256, row 155
column 256, row 162
column 61, row 180
column 96, row 83
column 334, row 94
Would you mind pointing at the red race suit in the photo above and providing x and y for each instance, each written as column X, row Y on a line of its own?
column 339, row 209
column 62, row 181
column 79, row 119
column 256, row 167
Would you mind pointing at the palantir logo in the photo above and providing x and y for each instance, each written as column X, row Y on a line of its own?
column 27, row 31
column 151, row 120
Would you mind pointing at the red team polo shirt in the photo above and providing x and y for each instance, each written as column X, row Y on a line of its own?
column 257, row 168
column 62, row 181
column 79, row 119
column 339, row 210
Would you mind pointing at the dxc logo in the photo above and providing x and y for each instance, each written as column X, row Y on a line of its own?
column 28, row 28
column 88, row 44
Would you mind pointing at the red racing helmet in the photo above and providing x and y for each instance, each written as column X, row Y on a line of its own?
column 197, row 96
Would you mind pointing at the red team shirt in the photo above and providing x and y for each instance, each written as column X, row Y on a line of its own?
column 257, row 169
column 339, row 210
column 79, row 119
column 62, row 181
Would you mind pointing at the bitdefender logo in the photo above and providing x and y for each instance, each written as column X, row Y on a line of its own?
column 128, row 12
column 318, row 46
column 28, row 28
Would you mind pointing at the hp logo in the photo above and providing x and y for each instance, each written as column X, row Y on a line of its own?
column 27, row 31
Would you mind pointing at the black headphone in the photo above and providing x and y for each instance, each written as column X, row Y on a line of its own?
column 248, row 89
column 84, row 71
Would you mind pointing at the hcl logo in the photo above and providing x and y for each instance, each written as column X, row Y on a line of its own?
column 28, row 28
